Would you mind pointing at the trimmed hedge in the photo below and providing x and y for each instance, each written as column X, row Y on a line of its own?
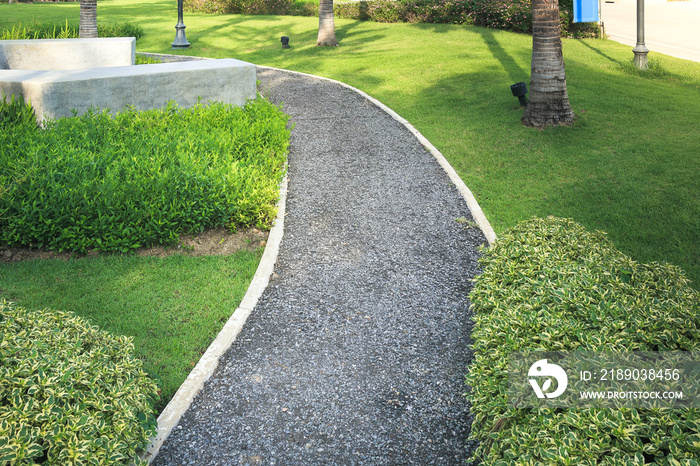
column 253, row 7
column 550, row 285
column 512, row 15
column 407, row 11
column 139, row 178
column 69, row 392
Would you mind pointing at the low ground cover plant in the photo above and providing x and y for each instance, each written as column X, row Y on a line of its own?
column 15, row 112
column 141, row 59
column 69, row 392
column 550, row 285
column 51, row 30
column 140, row 178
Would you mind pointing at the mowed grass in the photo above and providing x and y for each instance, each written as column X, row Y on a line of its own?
column 173, row 307
column 629, row 165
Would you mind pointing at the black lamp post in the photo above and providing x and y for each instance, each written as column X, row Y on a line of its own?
column 180, row 41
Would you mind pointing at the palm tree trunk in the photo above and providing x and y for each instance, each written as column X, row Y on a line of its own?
column 549, row 100
column 326, row 24
column 88, row 19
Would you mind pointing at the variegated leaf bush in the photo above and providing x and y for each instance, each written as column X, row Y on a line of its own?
column 550, row 285
column 70, row 393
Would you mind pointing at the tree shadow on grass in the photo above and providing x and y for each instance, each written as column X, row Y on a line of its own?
column 598, row 51
column 342, row 32
column 509, row 64
column 433, row 27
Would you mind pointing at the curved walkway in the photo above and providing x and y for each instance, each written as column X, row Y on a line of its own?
column 357, row 350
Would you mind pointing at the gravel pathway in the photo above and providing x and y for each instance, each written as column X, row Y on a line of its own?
column 356, row 352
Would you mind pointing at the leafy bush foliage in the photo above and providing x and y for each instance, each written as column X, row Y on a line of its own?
column 512, row 15
column 413, row 11
column 39, row 30
column 14, row 111
column 140, row 178
column 253, row 7
column 69, row 392
column 550, row 285
column 141, row 59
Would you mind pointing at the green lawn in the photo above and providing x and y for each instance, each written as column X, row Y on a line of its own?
column 629, row 166
column 173, row 307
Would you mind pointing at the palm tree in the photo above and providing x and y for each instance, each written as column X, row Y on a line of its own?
column 549, row 101
column 326, row 24
column 88, row 19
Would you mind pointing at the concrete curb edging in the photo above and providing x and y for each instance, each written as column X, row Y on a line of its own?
column 466, row 193
column 206, row 365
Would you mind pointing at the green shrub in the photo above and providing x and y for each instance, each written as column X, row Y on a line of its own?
column 39, row 30
column 550, row 285
column 510, row 15
column 502, row 14
column 16, row 112
column 413, row 11
column 140, row 178
column 119, row 30
column 253, row 7
column 141, row 59
column 69, row 392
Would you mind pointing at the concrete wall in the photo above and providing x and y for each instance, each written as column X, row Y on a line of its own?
column 54, row 93
column 66, row 54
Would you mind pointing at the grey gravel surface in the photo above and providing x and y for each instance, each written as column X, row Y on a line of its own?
column 356, row 352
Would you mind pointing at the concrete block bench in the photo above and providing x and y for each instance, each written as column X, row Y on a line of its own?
column 66, row 54
column 54, row 93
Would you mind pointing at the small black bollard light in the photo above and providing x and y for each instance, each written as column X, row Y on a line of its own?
column 285, row 42
column 519, row 90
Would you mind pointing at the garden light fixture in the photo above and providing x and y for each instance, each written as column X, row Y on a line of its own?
column 285, row 42
column 519, row 90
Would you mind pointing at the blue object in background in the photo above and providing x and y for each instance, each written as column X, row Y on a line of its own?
column 585, row 11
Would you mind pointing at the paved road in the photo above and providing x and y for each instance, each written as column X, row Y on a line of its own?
column 357, row 350
column 671, row 27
